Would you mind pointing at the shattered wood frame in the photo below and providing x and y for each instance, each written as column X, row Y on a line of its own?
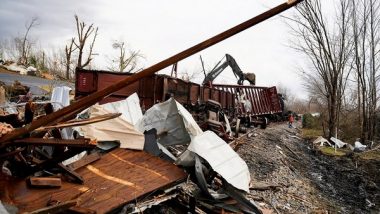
column 67, row 112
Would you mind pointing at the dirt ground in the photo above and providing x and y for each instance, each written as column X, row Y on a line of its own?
column 303, row 180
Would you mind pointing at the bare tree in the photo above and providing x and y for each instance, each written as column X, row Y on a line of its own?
column 56, row 61
column 328, row 50
column 126, row 60
column 84, row 33
column 24, row 44
column 69, row 49
column 365, row 34
column 374, row 43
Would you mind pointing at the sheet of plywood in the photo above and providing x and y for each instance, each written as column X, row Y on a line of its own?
column 119, row 177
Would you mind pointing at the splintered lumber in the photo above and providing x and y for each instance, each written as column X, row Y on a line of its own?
column 80, row 142
column 73, row 175
column 55, row 208
column 16, row 151
column 45, row 182
column 84, row 161
column 52, row 162
column 262, row 186
column 5, row 128
column 83, row 122
column 81, row 210
column 66, row 113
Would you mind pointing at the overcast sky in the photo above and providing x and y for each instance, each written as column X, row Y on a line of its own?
column 162, row 28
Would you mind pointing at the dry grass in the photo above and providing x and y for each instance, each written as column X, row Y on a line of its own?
column 311, row 133
column 326, row 150
column 370, row 155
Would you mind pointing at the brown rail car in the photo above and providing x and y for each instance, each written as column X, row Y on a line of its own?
column 263, row 100
column 156, row 88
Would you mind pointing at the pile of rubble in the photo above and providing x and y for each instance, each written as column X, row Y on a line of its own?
column 21, row 69
column 290, row 175
column 114, row 158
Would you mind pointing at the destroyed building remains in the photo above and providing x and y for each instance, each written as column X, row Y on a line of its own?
column 84, row 157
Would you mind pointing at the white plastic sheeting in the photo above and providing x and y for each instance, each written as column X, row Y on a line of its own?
column 60, row 98
column 60, row 95
column 114, row 129
column 130, row 108
column 338, row 142
column 321, row 141
column 359, row 146
column 222, row 158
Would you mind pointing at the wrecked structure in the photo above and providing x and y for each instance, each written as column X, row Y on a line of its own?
column 50, row 167
column 252, row 104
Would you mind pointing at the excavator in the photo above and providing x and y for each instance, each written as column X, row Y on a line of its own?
column 230, row 61
column 213, row 109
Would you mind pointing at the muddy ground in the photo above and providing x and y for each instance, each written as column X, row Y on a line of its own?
column 303, row 180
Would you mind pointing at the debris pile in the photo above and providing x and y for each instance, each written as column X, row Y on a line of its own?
column 111, row 157
column 290, row 175
column 5, row 128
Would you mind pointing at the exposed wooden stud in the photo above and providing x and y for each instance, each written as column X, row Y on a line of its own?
column 45, row 182
column 84, row 161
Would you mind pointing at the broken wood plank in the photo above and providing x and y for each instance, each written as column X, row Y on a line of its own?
column 54, row 161
column 80, row 210
column 45, row 182
column 55, row 208
column 84, row 161
column 262, row 186
column 82, row 122
column 12, row 153
column 73, row 175
column 80, row 142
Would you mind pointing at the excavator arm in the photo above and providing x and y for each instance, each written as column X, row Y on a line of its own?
column 230, row 61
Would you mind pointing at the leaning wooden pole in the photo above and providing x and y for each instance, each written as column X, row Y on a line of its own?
column 87, row 101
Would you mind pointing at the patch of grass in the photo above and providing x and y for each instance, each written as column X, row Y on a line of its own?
column 371, row 155
column 326, row 150
column 311, row 133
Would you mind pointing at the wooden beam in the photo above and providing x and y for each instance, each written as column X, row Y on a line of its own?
column 73, row 175
column 82, row 122
column 55, row 208
column 45, row 182
column 84, row 161
column 80, row 210
column 54, row 161
column 65, row 113
column 80, row 142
